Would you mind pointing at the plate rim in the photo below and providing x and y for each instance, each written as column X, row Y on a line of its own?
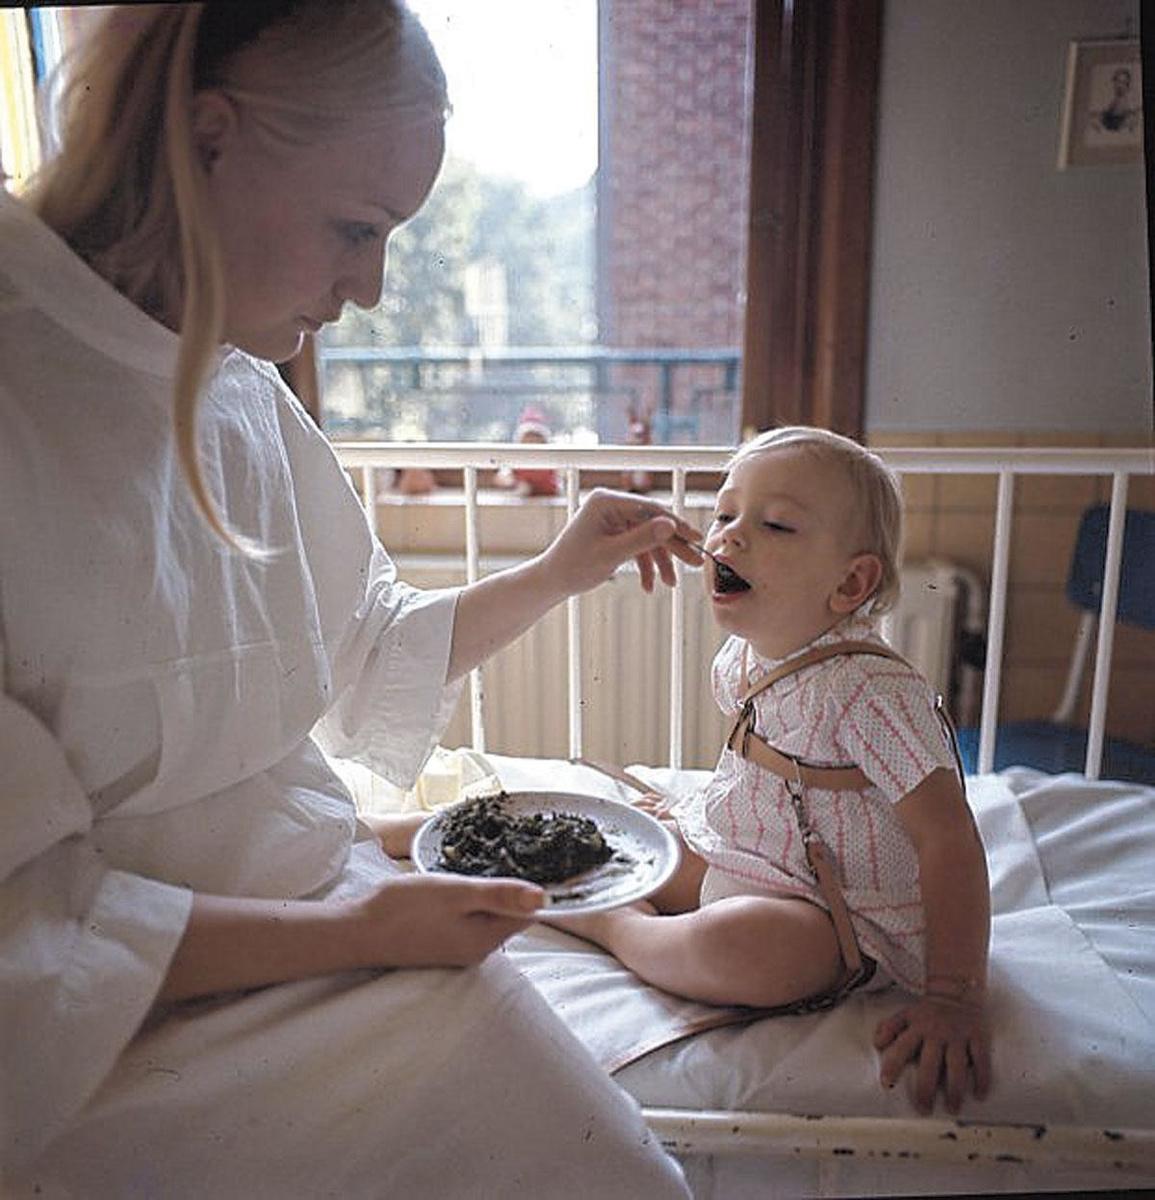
column 669, row 848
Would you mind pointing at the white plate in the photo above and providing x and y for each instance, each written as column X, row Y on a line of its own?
column 645, row 851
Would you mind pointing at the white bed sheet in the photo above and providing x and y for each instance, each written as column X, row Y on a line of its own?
column 1072, row 1000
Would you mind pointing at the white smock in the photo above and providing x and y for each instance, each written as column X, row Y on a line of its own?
column 164, row 703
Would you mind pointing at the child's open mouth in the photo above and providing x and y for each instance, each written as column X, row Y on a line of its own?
column 727, row 580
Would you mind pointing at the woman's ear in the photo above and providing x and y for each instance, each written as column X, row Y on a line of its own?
column 858, row 584
column 214, row 123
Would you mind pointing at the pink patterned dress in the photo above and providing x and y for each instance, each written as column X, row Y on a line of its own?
column 875, row 713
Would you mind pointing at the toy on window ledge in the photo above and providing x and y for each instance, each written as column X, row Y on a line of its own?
column 530, row 481
column 638, row 434
column 415, row 481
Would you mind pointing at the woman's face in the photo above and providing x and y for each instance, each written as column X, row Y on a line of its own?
column 305, row 229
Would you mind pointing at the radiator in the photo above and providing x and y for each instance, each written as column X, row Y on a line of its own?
column 923, row 624
column 625, row 637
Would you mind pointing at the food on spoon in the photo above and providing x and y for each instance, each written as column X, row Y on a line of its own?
column 482, row 837
column 726, row 579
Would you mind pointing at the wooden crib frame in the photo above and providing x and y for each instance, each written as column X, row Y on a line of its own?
column 1126, row 1153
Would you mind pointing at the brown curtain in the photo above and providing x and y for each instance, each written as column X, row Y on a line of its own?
column 1147, row 53
column 811, row 182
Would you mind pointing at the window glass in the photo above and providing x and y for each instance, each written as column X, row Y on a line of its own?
column 580, row 265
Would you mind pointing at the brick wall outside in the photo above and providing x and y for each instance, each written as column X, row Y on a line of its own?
column 672, row 183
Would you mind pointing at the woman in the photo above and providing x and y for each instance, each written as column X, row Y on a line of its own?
column 191, row 604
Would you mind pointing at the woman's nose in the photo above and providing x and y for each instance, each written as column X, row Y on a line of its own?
column 364, row 286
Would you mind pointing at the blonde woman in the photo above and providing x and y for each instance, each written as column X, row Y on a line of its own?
column 198, row 943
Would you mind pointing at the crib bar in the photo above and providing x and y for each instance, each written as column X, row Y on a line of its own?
column 472, row 574
column 678, row 635
column 369, row 493
column 573, row 619
column 921, row 460
column 1000, row 574
column 1107, row 607
column 687, row 1132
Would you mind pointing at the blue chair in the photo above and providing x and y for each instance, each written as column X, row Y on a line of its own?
column 1057, row 745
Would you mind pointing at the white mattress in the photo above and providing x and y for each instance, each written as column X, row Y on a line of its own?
column 1072, row 1000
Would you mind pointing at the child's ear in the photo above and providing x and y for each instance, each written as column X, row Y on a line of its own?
column 858, row 584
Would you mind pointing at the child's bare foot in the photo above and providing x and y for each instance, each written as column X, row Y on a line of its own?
column 597, row 927
column 396, row 830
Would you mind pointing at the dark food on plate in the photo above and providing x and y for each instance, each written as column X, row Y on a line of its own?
column 480, row 837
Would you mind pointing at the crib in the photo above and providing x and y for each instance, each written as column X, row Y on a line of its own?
column 791, row 1105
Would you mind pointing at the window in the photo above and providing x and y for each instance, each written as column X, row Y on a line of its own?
column 582, row 259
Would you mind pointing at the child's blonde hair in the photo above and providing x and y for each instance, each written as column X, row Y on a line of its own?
column 126, row 189
column 875, row 487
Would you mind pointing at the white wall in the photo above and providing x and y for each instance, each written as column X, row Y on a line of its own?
column 1007, row 294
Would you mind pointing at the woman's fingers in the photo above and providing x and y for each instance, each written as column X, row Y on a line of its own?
column 666, row 564
column 506, row 898
column 645, row 571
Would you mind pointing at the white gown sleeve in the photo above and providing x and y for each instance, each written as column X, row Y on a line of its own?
column 391, row 702
column 83, row 949
column 389, row 643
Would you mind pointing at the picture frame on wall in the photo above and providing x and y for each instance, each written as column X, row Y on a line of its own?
column 1102, row 104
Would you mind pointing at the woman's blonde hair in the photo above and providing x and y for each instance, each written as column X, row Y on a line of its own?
column 127, row 188
column 875, row 487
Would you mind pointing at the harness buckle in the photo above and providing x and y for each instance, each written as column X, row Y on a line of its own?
column 746, row 724
column 796, row 789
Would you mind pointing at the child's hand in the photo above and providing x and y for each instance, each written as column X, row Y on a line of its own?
column 661, row 808
column 947, row 1039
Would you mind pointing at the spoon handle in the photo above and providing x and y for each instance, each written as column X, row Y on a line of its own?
column 696, row 546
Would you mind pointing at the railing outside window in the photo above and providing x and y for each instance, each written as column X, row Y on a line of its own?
column 588, row 394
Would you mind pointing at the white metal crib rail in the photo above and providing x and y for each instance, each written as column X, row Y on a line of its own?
column 1004, row 464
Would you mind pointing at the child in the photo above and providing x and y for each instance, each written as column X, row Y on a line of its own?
column 802, row 551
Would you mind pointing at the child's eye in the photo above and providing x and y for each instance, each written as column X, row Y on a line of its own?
column 778, row 527
column 720, row 518
column 357, row 233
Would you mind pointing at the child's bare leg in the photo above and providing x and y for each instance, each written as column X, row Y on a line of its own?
column 396, row 830
column 683, row 891
column 755, row 950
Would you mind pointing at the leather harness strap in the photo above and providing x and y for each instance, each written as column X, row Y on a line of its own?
column 745, row 741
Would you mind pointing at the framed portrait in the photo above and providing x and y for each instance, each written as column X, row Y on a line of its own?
column 1102, row 105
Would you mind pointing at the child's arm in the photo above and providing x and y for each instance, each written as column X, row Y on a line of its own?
column 945, row 1030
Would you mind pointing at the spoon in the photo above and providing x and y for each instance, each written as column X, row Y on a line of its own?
column 700, row 548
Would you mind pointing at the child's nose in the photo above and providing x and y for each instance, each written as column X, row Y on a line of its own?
column 734, row 534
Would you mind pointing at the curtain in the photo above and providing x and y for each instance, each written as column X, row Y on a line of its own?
column 811, row 182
